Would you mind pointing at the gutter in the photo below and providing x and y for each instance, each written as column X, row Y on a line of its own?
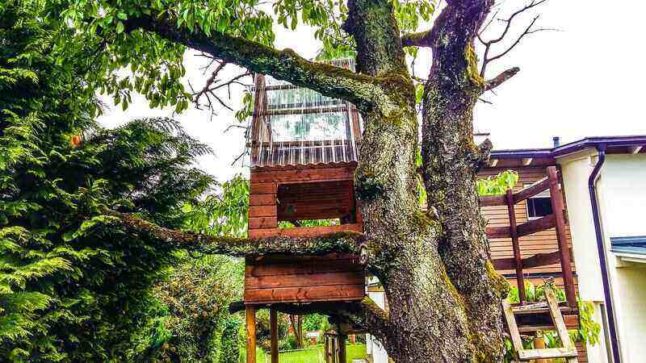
column 592, row 181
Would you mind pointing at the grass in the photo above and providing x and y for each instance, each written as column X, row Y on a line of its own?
column 313, row 354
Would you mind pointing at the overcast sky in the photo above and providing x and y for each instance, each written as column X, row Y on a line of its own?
column 587, row 79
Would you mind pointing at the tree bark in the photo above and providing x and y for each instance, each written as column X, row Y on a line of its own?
column 451, row 160
column 428, row 316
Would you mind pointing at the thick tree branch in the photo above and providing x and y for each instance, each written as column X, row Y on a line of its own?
column 343, row 242
column 362, row 90
column 501, row 78
column 421, row 39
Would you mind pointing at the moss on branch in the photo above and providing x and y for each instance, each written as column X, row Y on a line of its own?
column 360, row 89
column 341, row 242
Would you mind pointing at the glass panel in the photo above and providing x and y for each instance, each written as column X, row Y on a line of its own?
column 311, row 127
column 539, row 207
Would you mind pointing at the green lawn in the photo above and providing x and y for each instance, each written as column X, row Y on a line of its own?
column 312, row 354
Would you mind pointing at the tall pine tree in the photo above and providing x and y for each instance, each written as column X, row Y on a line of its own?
column 72, row 288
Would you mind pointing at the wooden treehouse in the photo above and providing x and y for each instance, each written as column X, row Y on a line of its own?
column 303, row 152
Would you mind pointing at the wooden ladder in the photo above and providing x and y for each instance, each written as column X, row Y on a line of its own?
column 568, row 351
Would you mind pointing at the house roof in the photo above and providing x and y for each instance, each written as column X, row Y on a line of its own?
column 629, row 249
column 547, row 156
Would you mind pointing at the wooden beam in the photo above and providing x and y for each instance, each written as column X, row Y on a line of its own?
column 250, row 314
column 537, row 225
column 518, row 259
column 527, row 161
column 273, row 331
column 532, row 190
column 493, row 163
column 492, row 200
column 636, row 149
column 558, row 210
column 497, row 232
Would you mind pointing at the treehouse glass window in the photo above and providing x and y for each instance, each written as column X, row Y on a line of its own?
column 539, row 205
column 293, row 125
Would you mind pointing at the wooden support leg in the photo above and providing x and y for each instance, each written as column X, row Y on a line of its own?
column 250, row 313
column 342, row 354
column 273, row 325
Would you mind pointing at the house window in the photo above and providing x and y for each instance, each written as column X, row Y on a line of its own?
column 539, row 205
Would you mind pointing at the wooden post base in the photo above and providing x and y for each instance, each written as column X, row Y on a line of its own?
column 250, row 313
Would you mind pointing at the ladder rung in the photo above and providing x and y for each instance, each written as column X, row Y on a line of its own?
column 547, row 353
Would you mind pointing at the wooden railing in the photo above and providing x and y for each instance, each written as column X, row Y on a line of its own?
column 515, row 231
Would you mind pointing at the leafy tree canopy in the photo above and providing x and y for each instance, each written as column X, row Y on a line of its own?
column 106, row 29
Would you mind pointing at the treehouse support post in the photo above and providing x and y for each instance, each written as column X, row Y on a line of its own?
column 518, row 258
column 250, row 312
column 273, row 331
column 558, row 207
column 342, row 351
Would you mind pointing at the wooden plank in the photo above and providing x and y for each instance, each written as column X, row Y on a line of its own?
column 262, row 222
column 304, row 280
column 558, row 207
column 300, row 260
column 263, row 233
column 557, row 318
column 541, row 259
column 493, row 200
column 273, row 333
column 250, row 314
column 537, row 260
column 497, row 232
column 262, row 211
column 532, row 190
column 513, row 233
column 263, row 188
column 262, row 230
column 304, row 175
column 303, row 269
column 305, row 294
column 512, row 327
column 548, row 353
column 262, row 199
column 536, row 225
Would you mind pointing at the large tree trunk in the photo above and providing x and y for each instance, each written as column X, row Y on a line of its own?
column 451, row 160
column 432, row 306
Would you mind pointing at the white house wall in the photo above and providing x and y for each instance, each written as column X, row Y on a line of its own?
column 622, row 197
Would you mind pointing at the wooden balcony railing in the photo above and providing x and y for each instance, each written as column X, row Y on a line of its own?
column 515, row 231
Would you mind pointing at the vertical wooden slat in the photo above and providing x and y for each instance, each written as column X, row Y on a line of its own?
column 250, row 313
column 518, row 258
column 342, row 351
column 273, row 331
column 558, row 208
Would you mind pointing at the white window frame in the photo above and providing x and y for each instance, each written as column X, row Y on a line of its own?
column 544, row 194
